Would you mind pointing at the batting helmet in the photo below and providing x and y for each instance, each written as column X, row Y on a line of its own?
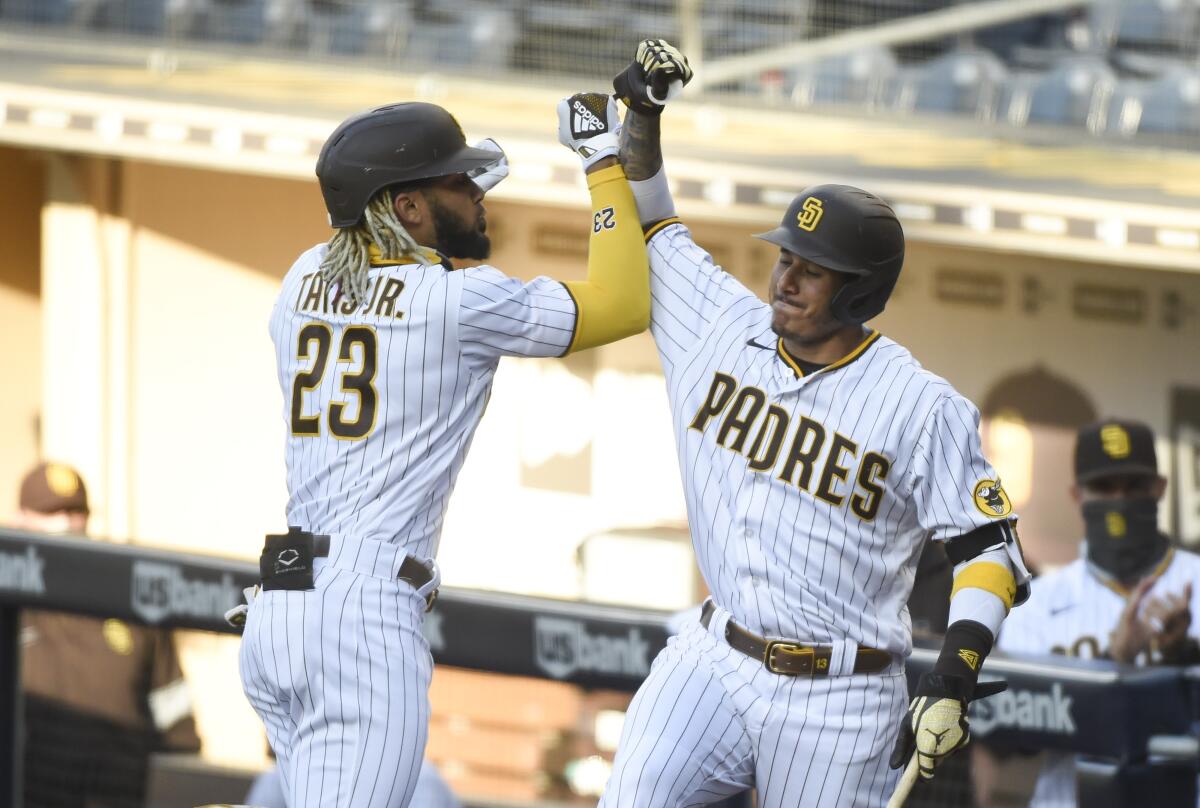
column 389, row 145
column 848, row 230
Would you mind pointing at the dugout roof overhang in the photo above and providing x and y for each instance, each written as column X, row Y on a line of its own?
column 1048, row 193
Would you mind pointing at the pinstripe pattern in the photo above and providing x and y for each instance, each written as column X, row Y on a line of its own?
column 435, row 368
column 1071, row 611
column 796, row 539
column 710, row 722
column 786, row 562
column 339, row 674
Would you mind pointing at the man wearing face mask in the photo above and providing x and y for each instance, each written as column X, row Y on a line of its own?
column 1129, row 597
column 99, row 695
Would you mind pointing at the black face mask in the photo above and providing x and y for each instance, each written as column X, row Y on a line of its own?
column 1122, row 536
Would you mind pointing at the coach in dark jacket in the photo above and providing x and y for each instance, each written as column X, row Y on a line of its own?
column 99, row 695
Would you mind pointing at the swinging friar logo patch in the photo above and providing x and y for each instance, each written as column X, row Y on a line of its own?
column 991, row 500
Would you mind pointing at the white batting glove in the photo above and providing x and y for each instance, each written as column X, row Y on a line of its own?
column 589, row 125
column 489, row 177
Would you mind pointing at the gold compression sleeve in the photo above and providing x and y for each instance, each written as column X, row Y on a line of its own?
column 614, row 301
column 990, row 577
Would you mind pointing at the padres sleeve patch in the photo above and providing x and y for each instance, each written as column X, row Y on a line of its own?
column 991, row 500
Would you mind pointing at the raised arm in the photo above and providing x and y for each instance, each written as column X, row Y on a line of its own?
column 614, row 301
column 657, row 74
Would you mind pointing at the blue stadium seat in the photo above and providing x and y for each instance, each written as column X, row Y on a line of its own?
column 1170, row 105
column 38, row 11
column 963, row 82
column 1152, row 25
column 1075, row 92
column 856, row 78
column 241, row 21
column 132, row 16
column 1125, row 107
column 474, row 33
column 1043, row 32
column 337, row 26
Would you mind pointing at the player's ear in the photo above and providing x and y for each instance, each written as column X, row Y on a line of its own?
column 1159, row 488
column 411, row 208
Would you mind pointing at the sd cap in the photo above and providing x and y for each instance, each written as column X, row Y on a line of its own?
column 1112, row 447
column 849, row 230
column 53, row 488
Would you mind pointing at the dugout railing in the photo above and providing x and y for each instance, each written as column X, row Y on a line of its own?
column 1134, row 728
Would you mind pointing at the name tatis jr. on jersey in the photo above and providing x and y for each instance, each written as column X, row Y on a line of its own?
column 382, row 293
column 804, row 454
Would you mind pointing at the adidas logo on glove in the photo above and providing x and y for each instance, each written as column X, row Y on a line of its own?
column 585, row 120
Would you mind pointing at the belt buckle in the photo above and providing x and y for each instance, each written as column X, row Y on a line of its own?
column 805, row 656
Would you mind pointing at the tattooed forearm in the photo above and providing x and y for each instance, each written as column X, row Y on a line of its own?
column 641, row 151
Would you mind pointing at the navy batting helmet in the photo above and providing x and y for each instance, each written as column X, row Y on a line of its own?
column 389, row 145
column 848, row 230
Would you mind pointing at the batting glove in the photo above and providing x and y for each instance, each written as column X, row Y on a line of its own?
column 655, row 76
column 236, row 616
column 488, row 177
column 936, row 723
column 589, row 125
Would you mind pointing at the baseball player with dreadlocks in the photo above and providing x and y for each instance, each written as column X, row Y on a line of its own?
column 817, row 457
column 385, row 358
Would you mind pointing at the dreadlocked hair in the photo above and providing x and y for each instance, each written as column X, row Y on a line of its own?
column 348, row 260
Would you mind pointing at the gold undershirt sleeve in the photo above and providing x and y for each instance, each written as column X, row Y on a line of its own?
column 614, row 301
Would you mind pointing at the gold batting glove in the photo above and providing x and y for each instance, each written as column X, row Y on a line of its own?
column 936, row 724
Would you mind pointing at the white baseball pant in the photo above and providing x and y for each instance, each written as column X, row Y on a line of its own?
column 340, row 676
column 709, row 722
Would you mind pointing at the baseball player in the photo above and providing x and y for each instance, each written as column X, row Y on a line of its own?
column 817, row 457
column 1129, row 597
column 385, row 358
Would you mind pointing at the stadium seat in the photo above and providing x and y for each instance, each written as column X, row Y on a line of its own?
column 964, row 82
column 241, row 21
column 1075, row 92
column 735, row 28
column 38, row 11
column 1151, row 25
column 1043, row 32
column 131, row 16
column 475, row 34
column 562, row 38
column 1166, row 106
column 856, row 78
column 285, row 24
column 338, row 26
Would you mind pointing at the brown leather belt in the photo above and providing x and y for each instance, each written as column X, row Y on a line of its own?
column 791, row 658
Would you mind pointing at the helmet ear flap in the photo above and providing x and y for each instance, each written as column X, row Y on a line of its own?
column 851, row 304
column 862, row 298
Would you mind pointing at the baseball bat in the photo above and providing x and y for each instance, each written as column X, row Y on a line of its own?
column 907, row 780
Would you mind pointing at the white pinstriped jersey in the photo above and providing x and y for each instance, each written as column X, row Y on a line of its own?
column 1072, row 611
column 809, row 497
column 381, row 401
